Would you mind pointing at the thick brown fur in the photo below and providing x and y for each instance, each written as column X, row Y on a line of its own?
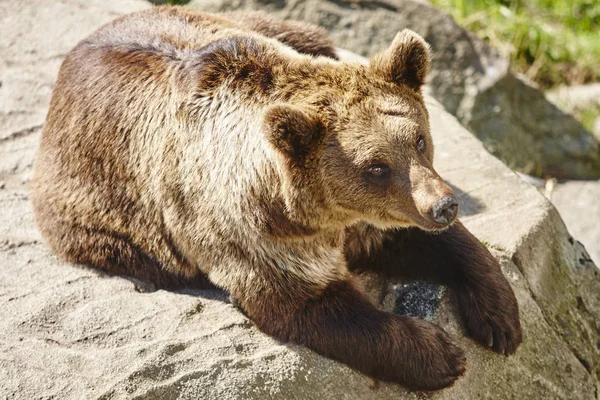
column 454, row 258
column 182, row 148
column 302, row 37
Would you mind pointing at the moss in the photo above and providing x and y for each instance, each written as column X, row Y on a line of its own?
column 550, row 41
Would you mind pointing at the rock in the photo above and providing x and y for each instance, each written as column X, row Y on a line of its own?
column 71, row 332
column 580, row 100
column 579, row 204
column 518, row 124
column 578, row 97
column 473, row 82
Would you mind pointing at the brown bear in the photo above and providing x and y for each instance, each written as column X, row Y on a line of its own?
column 186, row 149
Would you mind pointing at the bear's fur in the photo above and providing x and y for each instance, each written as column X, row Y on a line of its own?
column 189, row 149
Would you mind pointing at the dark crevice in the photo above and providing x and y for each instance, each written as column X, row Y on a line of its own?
column 585, row 363
column 21, row 133
column 365, row 4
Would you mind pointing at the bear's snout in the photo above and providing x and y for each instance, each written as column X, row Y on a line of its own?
column 445, row 210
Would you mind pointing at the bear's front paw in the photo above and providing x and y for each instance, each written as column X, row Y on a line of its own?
column 430, row 359
column 491, row 315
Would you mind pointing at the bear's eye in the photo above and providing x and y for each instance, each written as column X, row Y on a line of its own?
column 379, row 171
column 421, row 144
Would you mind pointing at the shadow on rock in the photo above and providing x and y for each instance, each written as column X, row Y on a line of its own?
column 467, row 204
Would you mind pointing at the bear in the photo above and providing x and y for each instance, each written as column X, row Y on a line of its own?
column 192, row 150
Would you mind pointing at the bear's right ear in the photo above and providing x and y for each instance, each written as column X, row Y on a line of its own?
column 405, row 62
column 294, row 132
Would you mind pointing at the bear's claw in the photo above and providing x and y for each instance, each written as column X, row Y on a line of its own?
column 492, row 319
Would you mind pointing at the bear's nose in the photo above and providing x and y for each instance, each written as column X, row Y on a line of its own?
column 444, row 211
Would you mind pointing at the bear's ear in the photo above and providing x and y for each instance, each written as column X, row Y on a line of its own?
column 405, row 62
column 294, row 132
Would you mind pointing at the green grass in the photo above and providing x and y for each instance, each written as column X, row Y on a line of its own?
column 550, row 41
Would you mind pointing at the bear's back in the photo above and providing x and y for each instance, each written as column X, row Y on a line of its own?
column 168, row 31
column 122, row 149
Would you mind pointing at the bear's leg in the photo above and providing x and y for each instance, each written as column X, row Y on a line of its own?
column 340, row 322
column 458, row 259
column 118, row 256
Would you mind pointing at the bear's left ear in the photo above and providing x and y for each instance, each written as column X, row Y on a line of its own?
column 294, row 132
column 405, row 62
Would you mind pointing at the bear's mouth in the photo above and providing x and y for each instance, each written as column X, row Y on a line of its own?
column 416, row 220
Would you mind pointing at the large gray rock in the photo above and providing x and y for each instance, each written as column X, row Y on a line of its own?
column 579, row 204
column 70, row 332
column 473, row 82
column 579, row 99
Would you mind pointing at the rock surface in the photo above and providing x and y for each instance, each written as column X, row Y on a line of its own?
column 472, row 81
column 580, row 99
column 576, row 97
column 70, row 332
column 579, row 204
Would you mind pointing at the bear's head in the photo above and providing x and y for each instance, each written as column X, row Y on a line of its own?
column 360, row 135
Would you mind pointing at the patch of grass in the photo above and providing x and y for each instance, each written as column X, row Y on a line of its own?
column 550, row 41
